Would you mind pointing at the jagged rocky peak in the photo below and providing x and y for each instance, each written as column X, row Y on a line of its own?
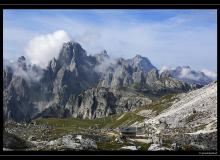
column 21, row 59
column 104, row 53
column 22, row 62
column 71, row 50
column 102, row 56
column 71, row 44
column 141, row 63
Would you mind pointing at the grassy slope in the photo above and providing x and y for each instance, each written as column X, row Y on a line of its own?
column 79, row 126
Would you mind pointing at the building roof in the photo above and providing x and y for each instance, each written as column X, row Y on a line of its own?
column 128, row 130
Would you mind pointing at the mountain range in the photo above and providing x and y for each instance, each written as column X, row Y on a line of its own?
column 88, row 86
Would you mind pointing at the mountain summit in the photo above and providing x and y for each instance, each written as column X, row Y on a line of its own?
column 141, row 63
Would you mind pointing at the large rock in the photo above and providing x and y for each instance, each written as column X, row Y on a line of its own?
column 126, row 72
column 67, row 142
column 157, row 147
column 133, row 148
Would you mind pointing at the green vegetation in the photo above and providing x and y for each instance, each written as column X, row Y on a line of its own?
column 143, row 146
column 113, row 121
column 200, row 127
column 59, row 127
column 131, row 90
column 53, row 128
column 79, row 126
column 124, row 119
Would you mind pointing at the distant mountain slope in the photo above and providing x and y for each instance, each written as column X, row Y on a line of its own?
column 186, row 74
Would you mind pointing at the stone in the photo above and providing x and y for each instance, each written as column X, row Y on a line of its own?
column 157, row 147
column 133, row 148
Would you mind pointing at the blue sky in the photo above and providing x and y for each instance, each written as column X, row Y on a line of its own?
column 167, row 37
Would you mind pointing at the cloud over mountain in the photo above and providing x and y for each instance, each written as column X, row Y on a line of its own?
column 41, row 49
column 189, row 75
column 210, row 74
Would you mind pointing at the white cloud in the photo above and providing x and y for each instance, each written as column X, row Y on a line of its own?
column 187, row 73
column 164, row 68
column 105, row 64
column 30, row 74
column 210, row 74
column 41, row 49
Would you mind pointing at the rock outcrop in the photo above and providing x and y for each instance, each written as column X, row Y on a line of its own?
column 101, row 102
column 65, row 143
column 126, row 72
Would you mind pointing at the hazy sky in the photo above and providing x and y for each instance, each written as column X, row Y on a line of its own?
column 167, row 37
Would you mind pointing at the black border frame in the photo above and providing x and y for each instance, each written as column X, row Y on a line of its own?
column 112, row 6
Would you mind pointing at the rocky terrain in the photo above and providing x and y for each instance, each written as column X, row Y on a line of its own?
column 80, row 102
column 192, row 120
column 185, row 121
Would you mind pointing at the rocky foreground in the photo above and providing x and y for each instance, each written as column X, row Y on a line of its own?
column 186, row 121
column 191, row 121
